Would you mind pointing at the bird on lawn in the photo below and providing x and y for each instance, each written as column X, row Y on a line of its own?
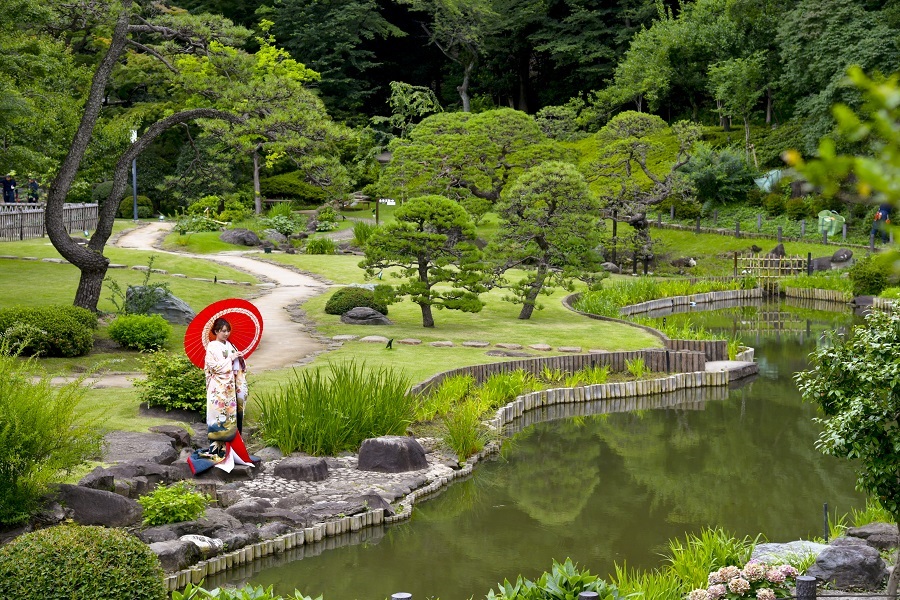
column 389, row 346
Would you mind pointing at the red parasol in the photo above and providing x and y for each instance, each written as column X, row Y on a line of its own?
column 246, row 328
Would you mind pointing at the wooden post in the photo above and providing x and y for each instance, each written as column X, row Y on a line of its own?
column 803, row 228
column 672, row 213
column 806, row 587
column 872, row 242
column 809, row 263
column 659, row 219
column 377, row 204
column 615, row 220
column 758, row 223
column 715, row 218
column 844, row 232
column 825, row 236
column 735, row 264
column 698, row 225
column 737, row 229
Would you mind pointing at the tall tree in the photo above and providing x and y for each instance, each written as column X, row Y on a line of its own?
column 738, row 84
column 549, row 226
column 431, row 242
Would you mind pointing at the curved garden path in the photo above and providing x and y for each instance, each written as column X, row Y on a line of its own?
column 285, row 342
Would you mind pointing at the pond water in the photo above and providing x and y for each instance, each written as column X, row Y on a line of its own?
column 607, row 489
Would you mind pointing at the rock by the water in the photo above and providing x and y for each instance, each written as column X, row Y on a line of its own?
column 302, row 468
column 363, row 315
column 847, row 567
column 611, row 267
column 392, row 454
column 240, row 237
column 777, row 252
column 169, row 307
column 778, row 553
column 249, row 511
column 821, row 264
column 208, row 546
column 877, row 535
column 175, row 555
column 275, row 236
column 98, row 507
column 842, row 255
column 270, row 531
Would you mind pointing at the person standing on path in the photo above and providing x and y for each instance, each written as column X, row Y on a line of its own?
column 10, row 192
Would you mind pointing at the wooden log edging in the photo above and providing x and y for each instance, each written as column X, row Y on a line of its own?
column 753, row 234
column 885, row 304
column 818, row 294
column 673, row 302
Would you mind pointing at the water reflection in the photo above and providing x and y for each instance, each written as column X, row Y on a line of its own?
column 610, row 487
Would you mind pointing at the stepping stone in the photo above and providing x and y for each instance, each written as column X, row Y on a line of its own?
column 598, row 351
column 140, row 268
column 159, row 271
column 28, row 258
column 265, row 285
column 441, row 344
column 476, row 344
column 344, row 338
column 199, row 279
column 410, row 341
column 510, row 346
column 541, row 347
column 9, row 256
column 58, row 261
column 116, row 266
column 179, row 275
column 227, row 281
column 374, row 339
column 575, row 349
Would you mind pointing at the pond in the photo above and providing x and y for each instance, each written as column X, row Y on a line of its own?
column 608, row 489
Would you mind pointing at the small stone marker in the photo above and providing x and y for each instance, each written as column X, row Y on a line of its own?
column 374, row 339
column 474, row 344
column 140, row 268
column 344, row 338
column 510, row 346
column 409, row 341
column 541, row 347
column 159, row 271
column 442, row 344
column 575, row 349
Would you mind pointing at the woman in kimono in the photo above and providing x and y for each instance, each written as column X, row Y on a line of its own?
column 226, row 388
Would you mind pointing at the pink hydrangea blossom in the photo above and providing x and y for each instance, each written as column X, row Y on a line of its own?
column 765, row 594
column 728, row 573
column 775, row 576
column 699, row 594
column 754, row 571
column 738, row 586
column 788, row 570
column 716, row 591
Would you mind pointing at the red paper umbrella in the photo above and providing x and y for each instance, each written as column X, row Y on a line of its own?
column 246, row 328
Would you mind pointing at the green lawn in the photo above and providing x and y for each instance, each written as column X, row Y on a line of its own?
column 204, row 242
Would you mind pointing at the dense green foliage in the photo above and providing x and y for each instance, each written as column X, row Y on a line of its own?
column 327, row 411
column 74, row 561
column 49, row 330
column 870, row 275
column 140, row 332
column 564, row 581
column 608, row 300
column 293, row 186
column 350, row 297
column 173, row 504
column 320, row 245
column 41, row 437
column 248, row 592
column 172, row 382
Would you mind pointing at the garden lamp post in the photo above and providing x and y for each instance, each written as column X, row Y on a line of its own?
column 134, row 136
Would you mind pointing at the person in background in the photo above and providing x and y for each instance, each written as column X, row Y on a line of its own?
column 10, row 192
column 33, row 189
column 881, row 222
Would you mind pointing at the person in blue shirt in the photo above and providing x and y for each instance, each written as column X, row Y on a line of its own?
column 10, row 191
column 881, row 222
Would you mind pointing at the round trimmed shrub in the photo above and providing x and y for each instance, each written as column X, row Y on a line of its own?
column 126, row 207
column 80, row 562
column 870, row 275
column 49, row 330
column 350, row 297
column 172, row 382
column 140, row 332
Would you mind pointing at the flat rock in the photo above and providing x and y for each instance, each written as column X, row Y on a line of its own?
column 409, row 341
column 180, row 435
column 541, row 347
column 98, row 507
column 132, row 445
column 140, row 268
column 509, row 346
column 374, row 339
column 302, row 468
column 391, row 454
column 877, row 535
column 441, row 344
column 175, row 555
column 847, row 567
column 116, row 266
column 476, row 344
column 597, row 351
column 345, row 338
column 574, row 349
column 363, row 315
column 778, row 553
column 269, row 453
column 58, row 261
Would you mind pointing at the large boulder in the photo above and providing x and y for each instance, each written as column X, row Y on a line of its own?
column 275, row 236
column 821, row 264
column 121, row 446
column 611, row 267
column 175, row 555
column 363, row 315
column 240, row 237
column 878, row 535
column 777, row 252
column 391, row 454
column 302, row 468
column 842, row 255
column 853, row 566
column 779, row 553
column 169, row 307
column 98, row 507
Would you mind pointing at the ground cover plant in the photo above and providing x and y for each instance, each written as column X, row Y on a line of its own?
column 325, row 411
column 174, row 503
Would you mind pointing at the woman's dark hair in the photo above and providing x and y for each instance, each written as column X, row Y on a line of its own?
column 220, row 324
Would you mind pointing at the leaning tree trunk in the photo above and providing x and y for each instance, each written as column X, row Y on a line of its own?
column 533, row 291
column 895, row 574
column 427, row 317
column 257, row 195
column 463, row 88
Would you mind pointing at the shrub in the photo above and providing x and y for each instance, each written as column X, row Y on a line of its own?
column 126, row 207
column 796, row 208
column 235, row 211
column 326, row 218
column 774, row 204
column 684, row 209
column 209, row 206
column 565, row 580
column 869, row 276
column 176, row 503
column 48, row 330
column 75, row 561
column 196, row 224
column 282, row 224
column 294, row 186
column 172, row 382
column 719, row 176
column 320, row 246
column 248, row 592
column 140, row 332
column 101, row 192
column 350, row 297
column 362, row 231
column 41, row 436
column 326, row 411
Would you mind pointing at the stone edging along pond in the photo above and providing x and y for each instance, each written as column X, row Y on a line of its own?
column 681, row 378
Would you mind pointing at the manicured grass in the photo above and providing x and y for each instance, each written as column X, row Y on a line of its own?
column 204, row 242
column 336, row 268
column 120, row 410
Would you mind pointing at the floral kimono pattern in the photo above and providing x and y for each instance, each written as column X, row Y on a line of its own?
column 226, row 391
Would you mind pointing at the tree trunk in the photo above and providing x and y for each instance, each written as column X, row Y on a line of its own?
column 770, row 105
column 427, row 317
column 895, row 574
column 747, row 135
column 638, row 102
column 523, row 82
column 257, row 196
column 533, row 291
column 91, row 285
column 463, row 88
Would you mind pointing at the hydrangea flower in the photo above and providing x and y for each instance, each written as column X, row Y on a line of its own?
column 765, row 594
column 738, row 586
column 716, row 591
column 728, row 573
column 775, row 576
column 754, row 571
column 788, row 570
column 699, row 594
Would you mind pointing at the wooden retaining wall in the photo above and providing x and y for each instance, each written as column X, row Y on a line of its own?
column 26, row 221
column 711, row 349
column 817, row 294
column 660, row 361
column 679, row 301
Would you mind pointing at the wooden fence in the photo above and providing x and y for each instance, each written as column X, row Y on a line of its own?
column 26, row 221
column 767, row 268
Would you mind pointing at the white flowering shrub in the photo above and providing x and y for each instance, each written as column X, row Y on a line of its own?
column 755, row 580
